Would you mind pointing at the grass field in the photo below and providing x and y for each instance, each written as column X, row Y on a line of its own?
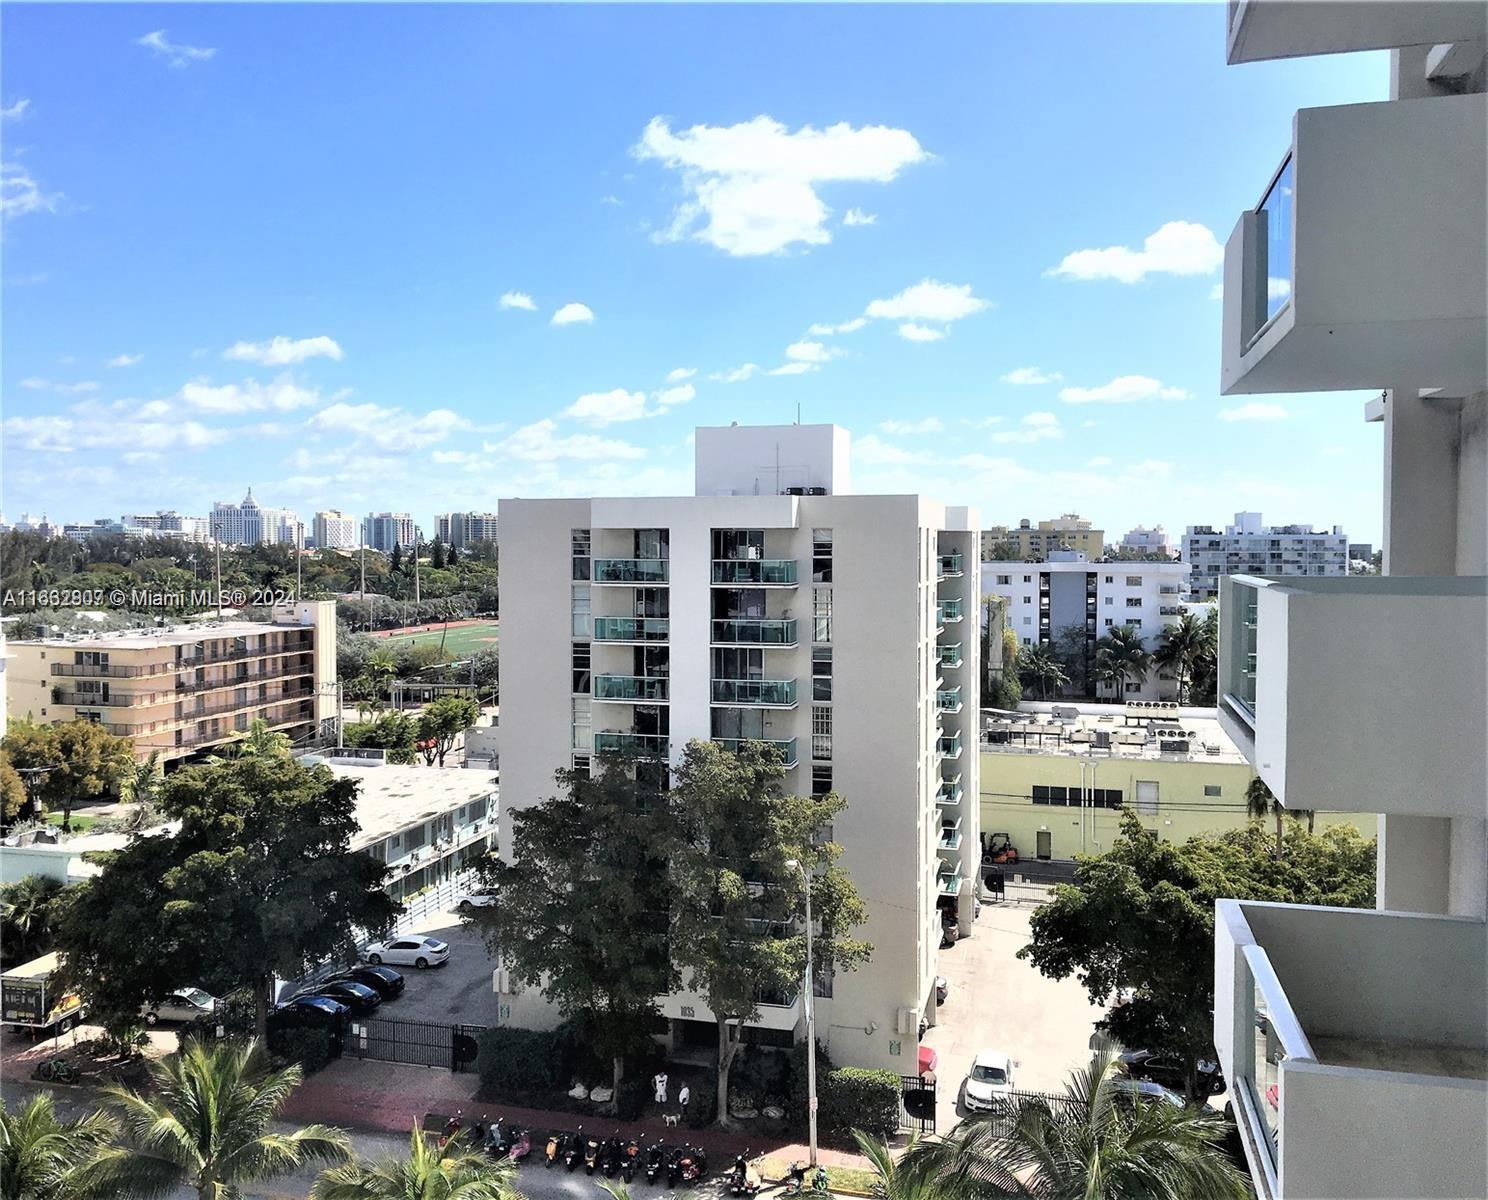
column 462, row 640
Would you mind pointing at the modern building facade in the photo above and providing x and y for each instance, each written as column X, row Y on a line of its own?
column 167, row 522
column 383, row 531
column 1070, row 592
column 335, row 530
column 1149, row 541
column 1356, row 1041
column 773, row 604
column 251, row 524
column 459, row 529
column 182, row 689
column 1250, row 546
column 1067, row 532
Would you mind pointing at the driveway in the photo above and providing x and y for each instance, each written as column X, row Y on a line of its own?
column 998, row 1002
column 458, row 993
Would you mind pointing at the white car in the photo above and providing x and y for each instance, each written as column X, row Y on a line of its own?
column 412, row 951
column 989, row 1080
column 465, row 901
column 185, row 1004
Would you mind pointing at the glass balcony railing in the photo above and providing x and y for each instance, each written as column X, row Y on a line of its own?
column 949, row 794
column 950, row 656
column 950, row 612
column 949, row 745
column 950, row 565
column 948, row 700
column 631, row 629
column 780, row 693
column 630, row 687
column 630, row 570
column 1277, row 215
column 642, row 745
column 787, row 746
column 948, row 881
column 950, row 839
column 756, row 572
column 755, row 632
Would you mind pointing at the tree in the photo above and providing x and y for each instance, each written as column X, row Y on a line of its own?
column 12, row 791
column 453, row 560
column 394, row 733
column 40, row 1154
column 206, row 1123
column 1260, row 803
column 436, row 555
column 453, row 1171
column 1140, row 919
column 1037, row 667
column 1180, row 648
column 28, row 908
column 1121, row 656
column 395, row 560
column 443, row 722
column 1097, row 1142
column 486, row 672
column 737, row 896
column 1205, row 680
column 74, row 762
column 583, row 912
column 259, row 880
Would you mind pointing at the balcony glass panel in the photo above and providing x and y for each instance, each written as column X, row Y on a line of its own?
column 742, row 631
column 949, row 746
column 949, row 795
column 630, row 570
column 787, row 747
column 950, row 610
column 950, row 656
column 780, row 692
column 631, row 629
column 754, row 571
column 1277, row 212
column 647, row 745
column 629, row 687
column 948, row 700
column 950, row 564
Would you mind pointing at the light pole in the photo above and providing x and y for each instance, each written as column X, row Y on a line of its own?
column 810, row 1019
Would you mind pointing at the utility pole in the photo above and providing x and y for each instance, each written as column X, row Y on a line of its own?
column 416, row 596
column 217, row 547
column 810, row 1019
column 299, row 554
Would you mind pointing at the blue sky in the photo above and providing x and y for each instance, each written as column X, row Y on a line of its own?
column 420, row 257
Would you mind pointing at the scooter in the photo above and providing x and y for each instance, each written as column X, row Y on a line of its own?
column 552, row 1148
column 573, row 1149
column 452, row 1127
column 629, row 1159
column 521, row 1146
column 496, row 1139
column 744, row 1179
column 655, row 1161
column 795, row 1180
column 674, row 1166
column 610, row 1154
column 591, row 1154
column 693, row 1165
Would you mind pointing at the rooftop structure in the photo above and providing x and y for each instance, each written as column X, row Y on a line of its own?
column 1250, row 546
column 1069, row 531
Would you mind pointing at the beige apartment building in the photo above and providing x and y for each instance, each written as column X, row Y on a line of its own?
column 182, row 689
column 1069, row 532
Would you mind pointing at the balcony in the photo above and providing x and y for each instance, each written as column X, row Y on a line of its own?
column 1331, row 286
column 1263, row 29
column 948, row 795
column 639, row 688
column 950, row 837
column 632, row 571
column 743, row 631
column 113, row 699
column 950, row 566
column 948, row 879
column 787, row 746
column 631, row 629
column 1355, row 1049
column 949, row 745
column 949, row 612
column 1324, row 692
column 635, row 745
column 764, row 693
column 754, row 572
column 950, row 656
column 948, row 700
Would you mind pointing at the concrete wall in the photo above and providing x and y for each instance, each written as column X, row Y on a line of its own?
column 764, row 460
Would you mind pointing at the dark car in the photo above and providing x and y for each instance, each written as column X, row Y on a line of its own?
column 312, row 1010
column 385, row 981
column 358, row 997
column 1167, row 1069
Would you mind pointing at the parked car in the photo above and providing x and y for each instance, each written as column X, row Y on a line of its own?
column 465, row 901
column 312, row 1010
column 358, row 997
column 989, row 1080
column 385, row 981
column 1167, row 1069
column 185, row 1004
column 412, row 951
column 1145, row 1089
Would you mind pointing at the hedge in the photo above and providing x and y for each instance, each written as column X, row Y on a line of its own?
column 858, row 1098
column 309, row 1045
column 520, row 1061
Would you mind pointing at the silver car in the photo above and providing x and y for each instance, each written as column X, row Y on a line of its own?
column 187, row 1004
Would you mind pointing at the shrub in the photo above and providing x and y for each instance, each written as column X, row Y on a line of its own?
column 311, row 1046
column 857, row 1098
column 764, row 1075
column 702, row 1108
column 513, row 1061
column 635, row 1090
column 795, row 1105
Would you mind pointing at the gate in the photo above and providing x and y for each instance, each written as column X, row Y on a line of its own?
column 419, row 1043
column 917, row 1104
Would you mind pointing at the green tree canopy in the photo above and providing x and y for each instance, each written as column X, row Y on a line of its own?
column 455, row 1170
column 74, row 762
column 40, row 1154
column 28, row 909
column 442, row 722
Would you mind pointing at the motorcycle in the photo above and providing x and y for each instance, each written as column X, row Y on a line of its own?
column 552, row 1148
column 496, row 1139
column 694, row 1165
column 629, row 1159
column 674, row 1166
column 520, row 1146
column 655, row 1161
column 610, row 1154
column 744, row 1179
column 452, row 1127
column 795, row 1180
column 591, row 1154
column 573, row 1149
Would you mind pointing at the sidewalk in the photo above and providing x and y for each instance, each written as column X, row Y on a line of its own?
column 389, row 1097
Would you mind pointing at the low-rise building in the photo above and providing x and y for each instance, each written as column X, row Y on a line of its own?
column 181, row 689
column 1067, row 532
column 1249, row 547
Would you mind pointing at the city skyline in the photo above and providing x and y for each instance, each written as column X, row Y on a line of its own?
column 676, row 236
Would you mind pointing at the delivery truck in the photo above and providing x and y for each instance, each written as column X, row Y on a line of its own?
column 32, row 996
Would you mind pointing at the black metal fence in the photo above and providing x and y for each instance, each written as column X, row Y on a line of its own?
column 917, row 1104
column 1004, row 1113
column 419, row 1043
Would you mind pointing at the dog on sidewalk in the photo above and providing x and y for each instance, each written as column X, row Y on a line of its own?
column 671, row 1120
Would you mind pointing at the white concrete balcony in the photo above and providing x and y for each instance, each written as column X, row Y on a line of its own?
column 1355, row 1043
column 1265, row 29
column 1331, row 283
column 1358, row 692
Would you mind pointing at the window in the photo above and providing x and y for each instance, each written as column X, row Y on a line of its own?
column 1110, row 579
column 821, row 672
column 821, row 614
column 581, row 764
column 821, row 780
column 582, row 626
column 1108, row 600
column 821, row 732
column 1004, row 579
column 1134, row 622
column 1146, row 797
column 581, row 655
column 583, row 724
column 1132, row 687
column 1211, row 789
column 1133, row 581
column 1027, row 599
column 821, row 556
column 1109, row 622
column 579, row 540
column 1027, row 641
column 1028, row 579
column 1134, row 602
column 1028, row 620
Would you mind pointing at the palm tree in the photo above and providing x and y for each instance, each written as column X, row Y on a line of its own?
column 1099, row 1143
column 262, row 742
column 892, row 1183
column 26, row 909
column 1039, row 666
column 1121, row 656
column 1205, row 668
column 38, row 1153
column 205, row 1124
column 1181, row 646
column 1260, row 803
column 430, row 1172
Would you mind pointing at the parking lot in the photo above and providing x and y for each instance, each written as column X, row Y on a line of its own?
column 458, row 993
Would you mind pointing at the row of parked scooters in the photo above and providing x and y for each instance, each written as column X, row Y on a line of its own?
column 625, row 1157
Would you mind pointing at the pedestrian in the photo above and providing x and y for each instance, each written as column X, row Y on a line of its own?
column 659, row 1082
column 683, row 1096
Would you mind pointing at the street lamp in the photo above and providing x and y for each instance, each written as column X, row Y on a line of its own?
column 810, row 1018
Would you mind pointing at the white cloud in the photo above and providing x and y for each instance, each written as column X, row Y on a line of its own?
column 1031, row 375
column 598, row 409
column 920, row 333
column 21, row 194
column 737, row 375
column 1124, row 389
column 1035, row 427
column 614, row 200
column 871, row 450
column 1278, row 289
column 751, row 188
column 391, row 429
column 1256, row 410
column 1100, row 460
column 281, row 395
column 124, row 360
column 811, row 352
column 573, row 314
column 517, row 300
column 928, row 425
column 1178, row 248
column 794, row 368
column 178, row 55
column 16, row 111
column 825, row 330
column 856, row 216
column 1041, row 419
column 928, row 300
column 64, row 435
column 81, row 388
column 678, row 374
column 282, row 351
column 672, row 396
column 537, row 443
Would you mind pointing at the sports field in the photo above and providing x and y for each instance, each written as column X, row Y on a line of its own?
column 462, row 639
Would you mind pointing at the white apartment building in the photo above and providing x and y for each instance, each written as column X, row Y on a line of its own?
column 383, row 531
column 1250, row 546
column 1153, row 541
column 335, row 530
column 251, row 524
column 1355, row 1042
column 80, row 532
column 167, row 522
column 1071, row 590
column 773, row 604
column 459, row 529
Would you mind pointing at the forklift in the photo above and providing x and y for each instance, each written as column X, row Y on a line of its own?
column 998, row 850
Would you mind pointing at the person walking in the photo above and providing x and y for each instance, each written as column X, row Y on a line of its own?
column 659, row 1082
column 683, row 1096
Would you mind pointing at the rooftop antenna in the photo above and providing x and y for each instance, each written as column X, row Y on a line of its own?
column 798, row 412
